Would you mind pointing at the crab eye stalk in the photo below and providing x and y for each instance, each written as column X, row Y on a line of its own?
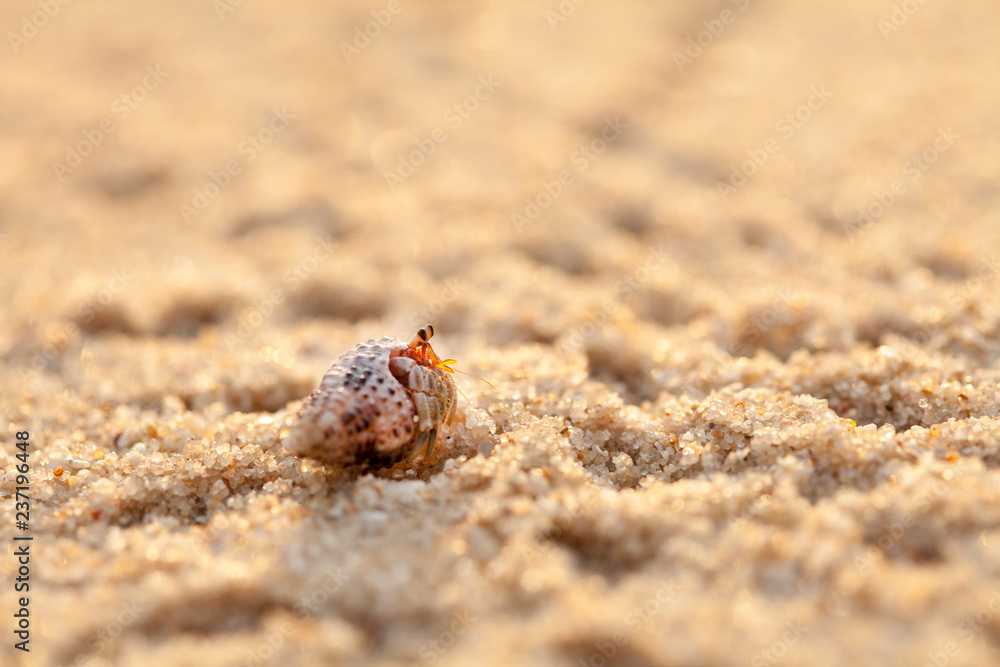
column 421, row 337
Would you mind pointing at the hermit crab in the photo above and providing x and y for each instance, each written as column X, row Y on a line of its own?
column 378, row 403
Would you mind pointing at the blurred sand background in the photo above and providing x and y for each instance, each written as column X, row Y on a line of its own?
column 743, row 425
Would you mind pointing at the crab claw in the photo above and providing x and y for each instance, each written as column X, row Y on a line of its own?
column 443, row 365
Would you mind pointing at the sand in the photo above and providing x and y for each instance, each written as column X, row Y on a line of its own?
column 731, row 267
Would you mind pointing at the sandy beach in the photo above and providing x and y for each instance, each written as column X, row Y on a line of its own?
column 732, row 269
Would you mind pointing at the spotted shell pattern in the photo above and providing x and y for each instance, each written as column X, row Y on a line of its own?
column 379, row 402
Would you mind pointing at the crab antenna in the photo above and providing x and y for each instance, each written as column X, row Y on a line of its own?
column 446, row 366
